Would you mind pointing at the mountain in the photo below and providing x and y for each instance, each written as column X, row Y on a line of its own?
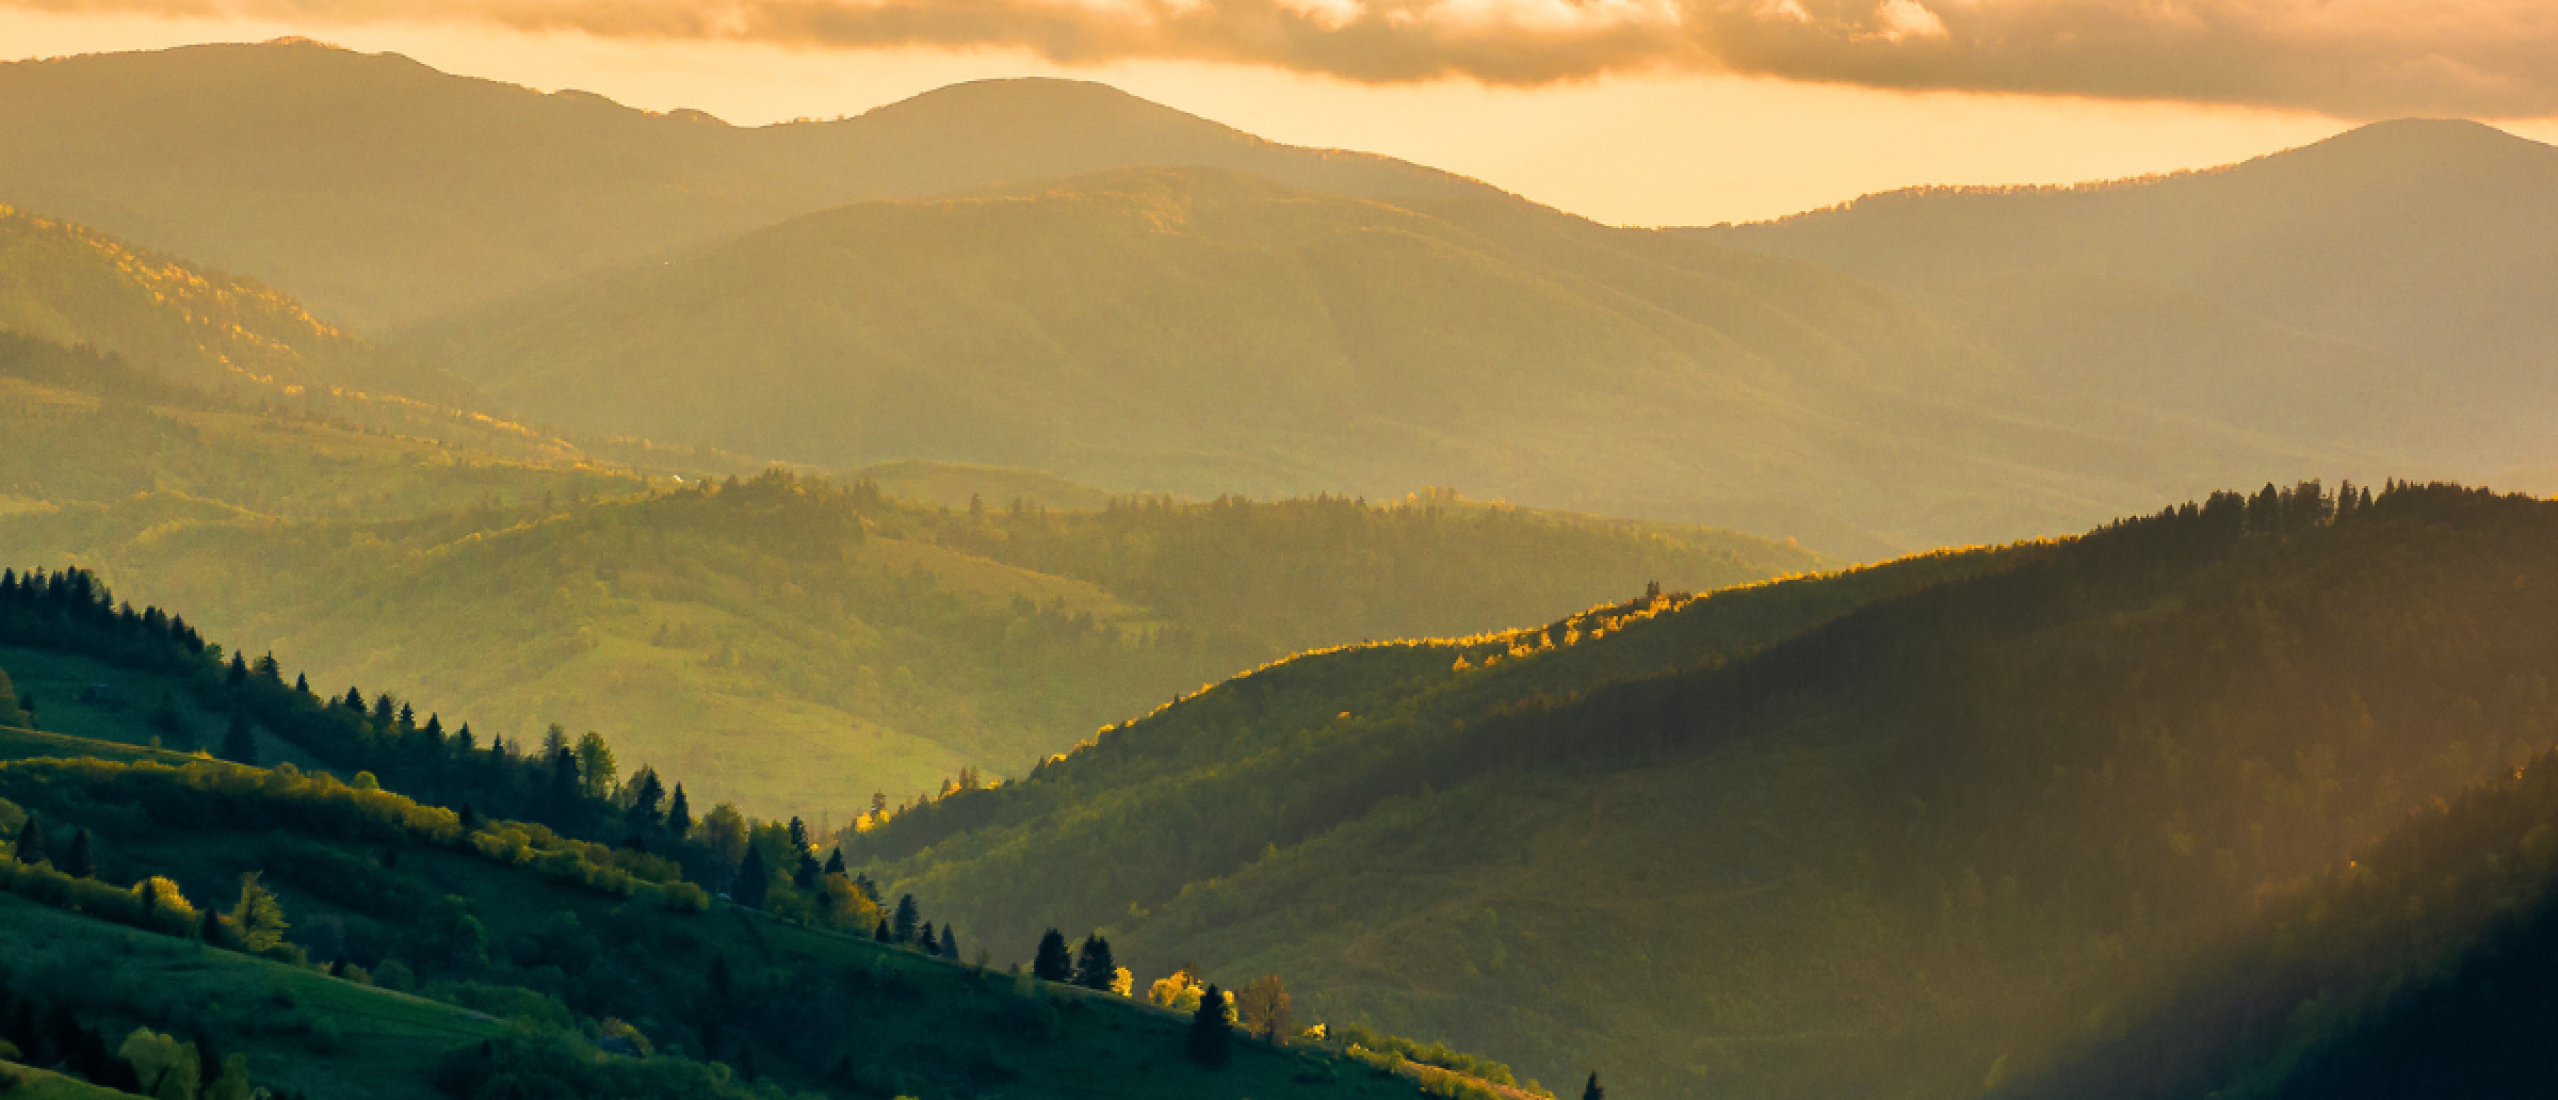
column 67, row 284
column 1204, row 331
column 384, row 192
column 189, row 927
column 1903, row 830
column 2383, row 289
column 794, row 644
column 2428, row 965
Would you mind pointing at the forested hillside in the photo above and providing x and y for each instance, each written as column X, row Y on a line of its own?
column 797, row 644
column 67, row 284
column 2383, row 289
column 803, row 647
column 1907, row 830
column 385, row 192
column 191, row 928
column 2427, row 966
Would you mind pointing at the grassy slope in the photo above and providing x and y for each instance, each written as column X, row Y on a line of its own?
column 1879, row 856
column 923, row 1025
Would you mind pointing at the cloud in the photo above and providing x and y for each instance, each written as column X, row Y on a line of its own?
column 2356, row 58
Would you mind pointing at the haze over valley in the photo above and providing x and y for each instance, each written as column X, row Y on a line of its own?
column 1027, row 591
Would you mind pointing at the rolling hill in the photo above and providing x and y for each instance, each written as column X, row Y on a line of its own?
column 384, row 947
column 1906, row 830
column 67, row 284
column 2383, row 289
column 1205, row 331
column 384, row 192
column 794, row 644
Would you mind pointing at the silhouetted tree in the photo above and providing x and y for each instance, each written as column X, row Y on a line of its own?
column 1592, row 1091
column 679, row 815
column 79, row 861
column 908, row 915
column 31, row 842
column 949, row 942
column 929, row 942
column 1053, row 963
column 754, row 880
column 1094, row 968
column 1212, row 1035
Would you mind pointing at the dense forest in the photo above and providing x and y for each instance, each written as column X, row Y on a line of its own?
column 1922, row 834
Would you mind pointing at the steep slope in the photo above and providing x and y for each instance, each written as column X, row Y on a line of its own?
column 1204, row 331
column 70, row 285
column 2385, row 288
column 2426, row 966
column 385, row 192
column 1881, row 833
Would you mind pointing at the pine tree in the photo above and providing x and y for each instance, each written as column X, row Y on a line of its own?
column 798, row 834
column 950, row 943
column 1053, row 963
column 80, row 861
column 1094, row 968
column 1592, row 1091
column 238, row 674
column 882, row 934
column 907, row 917
column 240, row 743
column 354, row 700
column 1212, row 1035
column 679, row 814
column 754, row 880
column 929, row 942
column 648, row 794
column 835, row 862
column 805, row 875
column 31, row 842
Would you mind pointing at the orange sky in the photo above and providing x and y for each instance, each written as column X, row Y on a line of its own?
column 1652, row 143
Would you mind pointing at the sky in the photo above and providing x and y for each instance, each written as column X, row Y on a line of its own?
column 1644, row 112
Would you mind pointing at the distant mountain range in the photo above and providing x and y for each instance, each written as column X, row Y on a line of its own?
column 1060, row 276
column 2386, row 290
column 384, row 192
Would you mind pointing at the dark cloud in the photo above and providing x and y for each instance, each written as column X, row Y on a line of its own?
column 2496, row 58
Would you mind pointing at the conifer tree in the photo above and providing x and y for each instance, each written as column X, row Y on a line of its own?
column 1094, row 968
column 882, row 934
column 929, row 942
column 648, row 794
column 950, row 943
column 79, row 861
column 1592, row 1091
column 908, row 914
column 805, row 875
column 835, row 862
column 798, row 834
column 238, row 674
column 240, row 742
column 1212, row 1036
column 754, row 880
column 679, row 814
column 354, row 700
column 1053, row 963
column 31, row 842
